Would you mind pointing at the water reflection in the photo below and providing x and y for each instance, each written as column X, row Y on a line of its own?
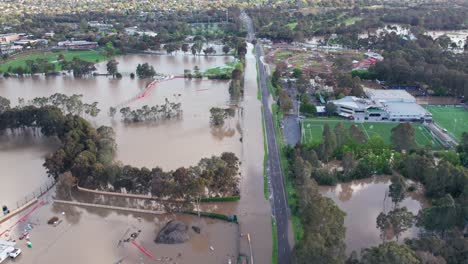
column 362, row 201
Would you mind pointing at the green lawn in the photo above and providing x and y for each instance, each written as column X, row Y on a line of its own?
column 312, row 131
column 289, row 185
column 223, row 70
column 454, row 119
column 292, row 25
column 283, row 54
column 87, row 55
column 351, row 20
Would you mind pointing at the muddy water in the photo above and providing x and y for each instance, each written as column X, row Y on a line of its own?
column 22, row 173
column 363, row 201
column 169, row 145
column 254, row 210
column 179, row 142
column 92, row 236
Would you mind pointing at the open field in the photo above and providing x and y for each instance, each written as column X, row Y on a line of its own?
column 87, row 55
column 454, row 119
column 312, row 131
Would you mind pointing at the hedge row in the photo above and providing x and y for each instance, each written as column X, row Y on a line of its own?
column 221, row 199
column 215, row 216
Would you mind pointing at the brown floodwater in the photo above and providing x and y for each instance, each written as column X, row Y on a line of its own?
column 90, row 235
column 170, row 145
column 362, row 201
column 22, row 173
column 93, row 235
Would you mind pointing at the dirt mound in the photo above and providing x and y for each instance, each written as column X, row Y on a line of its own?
column 175, row 232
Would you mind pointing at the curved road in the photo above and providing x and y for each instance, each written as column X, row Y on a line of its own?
column 278, row 197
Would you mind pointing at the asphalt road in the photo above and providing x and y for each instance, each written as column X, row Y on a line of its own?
column 278, row 200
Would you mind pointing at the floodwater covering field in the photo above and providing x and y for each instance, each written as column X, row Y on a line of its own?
column 91, row 235
column 362, row 201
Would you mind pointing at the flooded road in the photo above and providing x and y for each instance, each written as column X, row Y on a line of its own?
column 362, row 201
column 254, row 210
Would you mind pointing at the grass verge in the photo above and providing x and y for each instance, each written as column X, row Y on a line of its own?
column 273, row 90
column 221, row 199
column 266, row 189
column 290, row 191
column 274, row 251
column 259, row 90
column 214, row 216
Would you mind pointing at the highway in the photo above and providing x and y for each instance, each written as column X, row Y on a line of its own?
column 278, row 197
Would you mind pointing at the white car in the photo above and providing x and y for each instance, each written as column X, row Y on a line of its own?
column 14, row 252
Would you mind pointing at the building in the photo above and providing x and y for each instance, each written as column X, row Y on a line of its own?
column 10, row 37
column 382, row 105
column 5, row 247
column 8, row 48
column 132, row 31
column 374, row 55
column 78, row 44
column 49, row 34
column 101, row 27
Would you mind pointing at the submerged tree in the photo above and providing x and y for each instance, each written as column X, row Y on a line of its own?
column 395, row 222
column 112, row 67
column 145, row 71
column 219, row 115
column 397, row 189
column 155, row 113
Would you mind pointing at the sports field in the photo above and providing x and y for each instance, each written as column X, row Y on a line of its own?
column 87, row 55
column 454, row 119
column 312, row 131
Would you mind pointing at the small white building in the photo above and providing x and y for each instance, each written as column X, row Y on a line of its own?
column 374, row 55
column 134, row 31
column 5, row 248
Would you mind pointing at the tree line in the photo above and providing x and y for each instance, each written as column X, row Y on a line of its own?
column 88, row 154
column 166, row 111
column 68, row 104
column 444, row 175
column 424, row 61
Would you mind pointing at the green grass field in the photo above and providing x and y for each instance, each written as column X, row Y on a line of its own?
column 312, row 131
column 87, row 55
column 454, row 119
column 352, row 20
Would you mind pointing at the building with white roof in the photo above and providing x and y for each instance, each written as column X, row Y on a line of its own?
column 374, row 55
column 5, row 248
column 382, row 105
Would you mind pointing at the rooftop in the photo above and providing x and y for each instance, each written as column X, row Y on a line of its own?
column 406, row 109
column 357, row 103
column 390, row 95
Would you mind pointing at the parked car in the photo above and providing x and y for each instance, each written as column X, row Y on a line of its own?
column 15, row 252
